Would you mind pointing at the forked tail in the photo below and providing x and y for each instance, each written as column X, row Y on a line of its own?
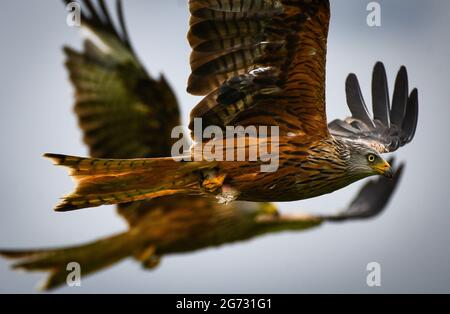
column 114, row 181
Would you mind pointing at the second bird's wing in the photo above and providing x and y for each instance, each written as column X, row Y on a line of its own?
column 123, row 112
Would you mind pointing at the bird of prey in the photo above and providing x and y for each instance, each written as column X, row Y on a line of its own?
column 259, row 63
column 125, row 113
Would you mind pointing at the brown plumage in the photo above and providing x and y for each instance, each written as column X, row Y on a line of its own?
column 124, row 113
column 288, row 79
column 160, row 227
column 262, row 63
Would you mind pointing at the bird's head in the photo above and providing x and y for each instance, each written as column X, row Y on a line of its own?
column 365, row 161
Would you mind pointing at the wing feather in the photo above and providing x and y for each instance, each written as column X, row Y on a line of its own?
column 411, row 117
column 380, row 95
column 355, row 101
column 400, row 99
column 119, row 106
column 390, row 128
column 262, row 58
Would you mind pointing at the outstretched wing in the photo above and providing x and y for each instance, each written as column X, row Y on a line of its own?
column 390, row 127
column 123, row 112
column 260, row 62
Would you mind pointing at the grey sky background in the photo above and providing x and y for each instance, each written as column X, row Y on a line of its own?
column 411, row 240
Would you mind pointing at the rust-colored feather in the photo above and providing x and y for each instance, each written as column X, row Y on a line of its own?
column 115, row 181
column 284, row 41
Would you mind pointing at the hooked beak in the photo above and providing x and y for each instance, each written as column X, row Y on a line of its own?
column 385, row 170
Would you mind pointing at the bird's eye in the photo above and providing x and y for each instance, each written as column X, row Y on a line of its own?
column 371, row 157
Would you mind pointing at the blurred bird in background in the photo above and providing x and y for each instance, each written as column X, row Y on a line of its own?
column 124, row 113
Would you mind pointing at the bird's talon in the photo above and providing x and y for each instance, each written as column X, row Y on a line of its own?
column 213, row 182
